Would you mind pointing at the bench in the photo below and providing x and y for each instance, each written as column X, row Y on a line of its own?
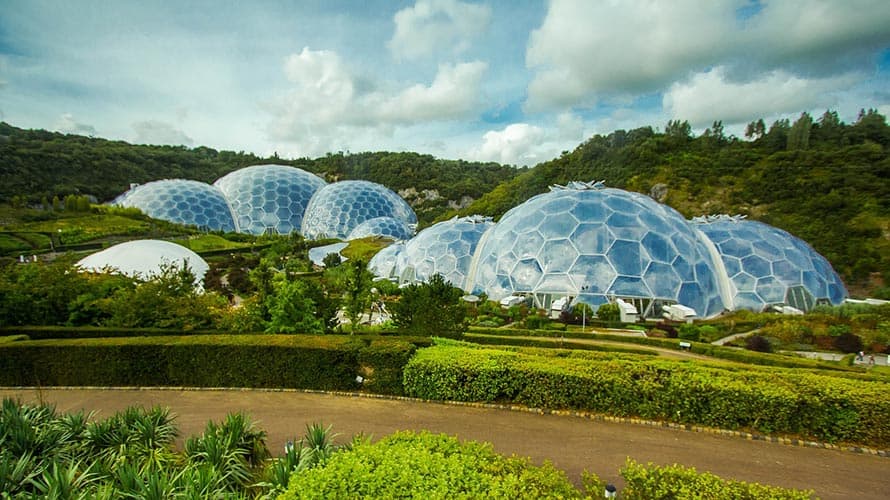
column 685, row 346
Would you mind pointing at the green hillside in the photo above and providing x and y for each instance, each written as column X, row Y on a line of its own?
column 822, row 180
column 37, row 165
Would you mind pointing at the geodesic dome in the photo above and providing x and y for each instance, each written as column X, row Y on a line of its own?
column 390, row 227
column 336, row 209
column 144, row 259
column 387, row 261
column 445, row 248
column 182, row 201
column 269, row 197
column 594, row 243
column 768, row 266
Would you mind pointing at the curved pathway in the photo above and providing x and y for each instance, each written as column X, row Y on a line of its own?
column 573, row 444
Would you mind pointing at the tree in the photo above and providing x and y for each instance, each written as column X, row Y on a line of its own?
column 755, row 130
column 357, row 293
column 291, row 310
column 799, row 134
column 433, row 308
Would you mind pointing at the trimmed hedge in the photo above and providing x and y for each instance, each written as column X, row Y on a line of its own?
column 552, row 344
column 715, row 351
column 772, row 400
column 95, row 332
column 269, row 361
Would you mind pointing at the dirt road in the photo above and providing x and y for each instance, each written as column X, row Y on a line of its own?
column 573, row 444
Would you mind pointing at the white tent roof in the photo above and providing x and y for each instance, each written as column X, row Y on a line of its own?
column 143, row 258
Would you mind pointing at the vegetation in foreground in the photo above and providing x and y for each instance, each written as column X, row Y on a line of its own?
column 131, row 455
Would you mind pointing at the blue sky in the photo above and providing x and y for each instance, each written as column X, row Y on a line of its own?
column 511, row 81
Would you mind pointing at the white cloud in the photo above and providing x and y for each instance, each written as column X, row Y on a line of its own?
column 158, row 132
column 585, row 51
column 453, row 94
column 524, row 144
column 68, row 125
column 709, row 96
column 432, row 26
column 327, row 109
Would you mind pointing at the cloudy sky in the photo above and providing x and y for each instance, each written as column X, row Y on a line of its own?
column 511, row 81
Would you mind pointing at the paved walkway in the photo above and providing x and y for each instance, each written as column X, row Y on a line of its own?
column 573, row 444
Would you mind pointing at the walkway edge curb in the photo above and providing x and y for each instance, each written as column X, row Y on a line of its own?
column 495, row 406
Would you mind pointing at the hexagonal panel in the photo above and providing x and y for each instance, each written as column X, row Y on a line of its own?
column 336, row 209
column 183, row 202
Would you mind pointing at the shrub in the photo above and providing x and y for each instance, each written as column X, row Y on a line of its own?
column 294, row 361
column 425, row 465
column 848, row 343
column 689, row 331
column 536, row 322
column 609, row 312
column 758, row 343
column 767, row 400
column 675, row 481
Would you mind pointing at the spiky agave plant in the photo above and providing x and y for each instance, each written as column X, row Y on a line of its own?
column 311, row 450
column 217, row 449
column 60, row 481
column 16, row 473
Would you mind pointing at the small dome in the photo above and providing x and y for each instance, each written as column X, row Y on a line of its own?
column 768, row 266
column 336, row 209
column 145, row 259
column 390, row 227
column 445, row 248
column 183, row 202
column 269, row 197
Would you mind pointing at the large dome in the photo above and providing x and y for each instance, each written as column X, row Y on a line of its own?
column 390, row 227
column 336, row 209
column 183, row 202
column 269, row 197
column 445, row 248
column 144, row 259
column 767, row 265
column 594, row 243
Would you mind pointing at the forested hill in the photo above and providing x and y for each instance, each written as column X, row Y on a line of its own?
column 822, row 180
column 36, row 164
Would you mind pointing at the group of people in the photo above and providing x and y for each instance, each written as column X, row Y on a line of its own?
column 871, row 358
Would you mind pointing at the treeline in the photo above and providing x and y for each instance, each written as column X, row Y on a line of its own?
column 823, row 180
column 37, row 165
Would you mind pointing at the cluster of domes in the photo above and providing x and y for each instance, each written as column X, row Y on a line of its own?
column 277, row 199
column 594, row 244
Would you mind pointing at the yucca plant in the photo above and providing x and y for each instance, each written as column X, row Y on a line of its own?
column 218, row 450
column 16, row 473
column 313, row 449
column 244, row 435
column 59, row 481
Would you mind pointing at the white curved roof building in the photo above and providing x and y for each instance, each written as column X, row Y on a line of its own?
column 144, row 259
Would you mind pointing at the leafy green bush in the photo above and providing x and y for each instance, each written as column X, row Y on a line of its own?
column 675, row 481
column 688, row 331
column 608, row 312
column 767, row 400
column 425, row 465
column 536, row 322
